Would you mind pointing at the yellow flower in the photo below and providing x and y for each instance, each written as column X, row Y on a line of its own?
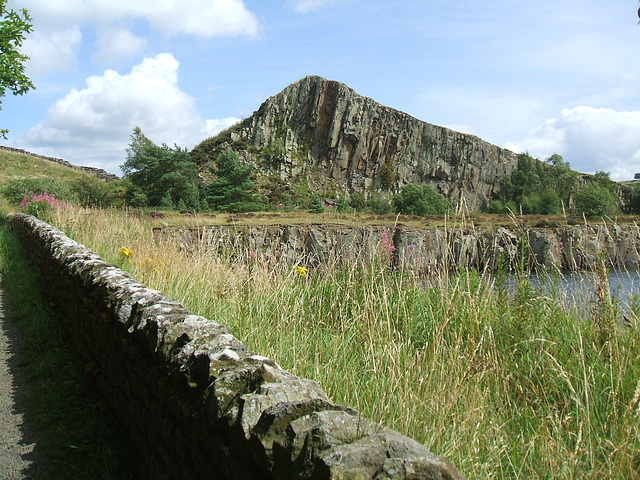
column 125, row 252
column 302, row 271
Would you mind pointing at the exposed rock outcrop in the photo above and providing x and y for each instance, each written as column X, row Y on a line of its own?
column 342, row 141
column 428, row 250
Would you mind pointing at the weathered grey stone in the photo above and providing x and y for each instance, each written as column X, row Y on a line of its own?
column 236, row 379
column 295, row 449
column 427, row 250
column 383, row 456
column 253, row 405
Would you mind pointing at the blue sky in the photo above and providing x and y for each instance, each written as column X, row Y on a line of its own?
column 539, row 76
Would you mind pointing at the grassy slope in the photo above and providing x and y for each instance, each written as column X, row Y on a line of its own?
column 17, row 165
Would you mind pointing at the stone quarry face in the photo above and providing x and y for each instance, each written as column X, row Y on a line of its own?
column 332, row 134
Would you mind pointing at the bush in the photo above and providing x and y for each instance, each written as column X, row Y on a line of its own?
column 497, row 207
column 594, row 200
column 89, row 191
column 37, row 204
column 357, row 201
column 316, row 204
column 379, row 205
column 15, row 191
column 420, row 199
column 343, row 204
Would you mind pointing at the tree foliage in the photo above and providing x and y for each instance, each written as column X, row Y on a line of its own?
column 537, row 187
column 594, row 200
column 547, row 187
column 13, row 28
column 159, row 175
column 232, row 189
column 420, row 199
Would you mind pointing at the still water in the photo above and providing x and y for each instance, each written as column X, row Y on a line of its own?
column 579, row 289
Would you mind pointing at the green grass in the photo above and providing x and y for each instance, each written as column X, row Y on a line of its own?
column 506, row 384
column 76, row 439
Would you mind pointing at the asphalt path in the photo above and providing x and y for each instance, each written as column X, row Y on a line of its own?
column 17, row 441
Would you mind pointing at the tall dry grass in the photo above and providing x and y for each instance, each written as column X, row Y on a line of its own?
column 506, row 382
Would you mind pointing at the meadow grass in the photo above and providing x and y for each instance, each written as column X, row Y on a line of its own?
column 505, row 382
column 75, row 435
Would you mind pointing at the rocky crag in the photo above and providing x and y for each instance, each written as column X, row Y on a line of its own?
column 324, row 132
column 427, row 250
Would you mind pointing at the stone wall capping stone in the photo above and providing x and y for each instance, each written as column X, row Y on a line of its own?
column 194, row 400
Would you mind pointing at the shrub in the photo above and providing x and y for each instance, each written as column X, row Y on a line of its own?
column 37, row 204
column 420, row 199
column 343, row 204
column 15, row 191
column 357, row 201
column 316, row 204
column 379, row 205
column 89, row 191
column 594, row 200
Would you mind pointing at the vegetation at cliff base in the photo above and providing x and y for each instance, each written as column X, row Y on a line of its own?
column 417, row 199
column 552, row 187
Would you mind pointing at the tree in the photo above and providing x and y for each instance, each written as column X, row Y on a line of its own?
column 561, row 178
column 537, row 187
column 163, row 175
column 232, row 189
column 595, row 200
column 315, row 206
column 13, row 27
column 420, row 199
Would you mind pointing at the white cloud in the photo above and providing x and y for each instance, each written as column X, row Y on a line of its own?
column 205, row 18
column 217, row 125
column 304, row 6
column 52, row 51
column 53, row 22
column 92, row 126
column 591, row 139
column 114, row 44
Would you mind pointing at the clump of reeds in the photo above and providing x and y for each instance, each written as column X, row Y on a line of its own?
column 505, row 382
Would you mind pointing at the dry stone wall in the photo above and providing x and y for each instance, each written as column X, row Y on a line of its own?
column 196, row 403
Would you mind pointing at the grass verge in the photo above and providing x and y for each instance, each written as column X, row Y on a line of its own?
column 76, row 439
column 505, row 383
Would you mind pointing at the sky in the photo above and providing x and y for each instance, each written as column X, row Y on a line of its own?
column 541, row 76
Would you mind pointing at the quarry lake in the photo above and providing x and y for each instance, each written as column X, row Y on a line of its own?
column 579, row 289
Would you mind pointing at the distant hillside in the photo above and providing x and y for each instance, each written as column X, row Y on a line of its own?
column 22, row 171
column 15, row 153
column 321, row 135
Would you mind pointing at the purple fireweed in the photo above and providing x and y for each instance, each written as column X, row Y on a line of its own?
column 43, row 198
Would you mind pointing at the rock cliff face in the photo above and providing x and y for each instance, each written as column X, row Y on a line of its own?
column 328, row 133
column 429, row 250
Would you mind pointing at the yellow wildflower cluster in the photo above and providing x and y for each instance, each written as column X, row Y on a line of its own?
column 302, row 271
column 126, row 253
